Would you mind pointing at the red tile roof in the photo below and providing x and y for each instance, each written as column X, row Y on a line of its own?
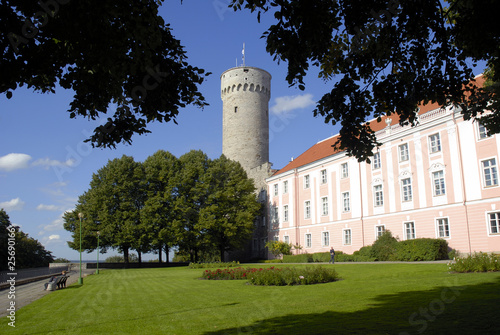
column 325, row 148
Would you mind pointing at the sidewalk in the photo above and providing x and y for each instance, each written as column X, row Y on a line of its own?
column 27, row 293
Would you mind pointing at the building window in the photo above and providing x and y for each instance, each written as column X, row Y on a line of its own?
column 285, row 187
column 376, row 161
column 378, row 195
column 434, row 143
column 347, row 237
column 306, row 181
column 346, row 202
column 275, row 189
column 324, row 206
column 286, row 239
column 443, row 227
column 380, row 230
column 263, row 221
column 494, row 222
column 325, row 238
column 255, row 244
column 490, row 172
column 482, row 132
column 323, row 177
column 409, row 230
column 406, row 189
column 344, row 170
column 403, row 152
column 438, row 183
column 285, row 213
column 308, row 241
column 307, row 209
column 275, row 214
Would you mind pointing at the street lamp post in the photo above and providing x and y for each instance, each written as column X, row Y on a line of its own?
column 80, row 280
column 97, row 270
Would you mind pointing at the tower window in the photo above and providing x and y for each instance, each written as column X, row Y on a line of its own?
column 236, row 109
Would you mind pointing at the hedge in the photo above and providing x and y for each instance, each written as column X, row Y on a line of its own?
column 421, row 249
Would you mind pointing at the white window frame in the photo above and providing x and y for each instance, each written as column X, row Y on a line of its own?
column 438, row 183
column 347, row 236
column 378, row 195
column 325, row 238
column 285, row 213
column 275, row 214
column 324, row 206
column 344, row 170
column 324, row 177
column 308, row 240
column 409, row 225
column 285, row 187
column 275, row 192
column 490, row 172
column 443, row 227
column 403, row 152
column 434, row 143
column 307, row 209
column 307, row 181
column 377, row 163
column 406, row 190
column 286, row 239
column 481, row 132
column 493, row 217
column 378, row 231
column 346, row 202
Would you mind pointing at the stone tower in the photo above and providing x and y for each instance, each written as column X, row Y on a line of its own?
column 245, row 93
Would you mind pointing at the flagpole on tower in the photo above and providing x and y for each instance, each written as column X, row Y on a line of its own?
column 243, row 54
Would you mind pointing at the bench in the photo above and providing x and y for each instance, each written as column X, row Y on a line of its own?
column 56, row 282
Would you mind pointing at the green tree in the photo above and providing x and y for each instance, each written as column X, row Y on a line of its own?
column 192, row 196
column 110, row 53
column 227, row 217
column 386, row 57
column 161, row 171
column 112, row 206
column 279, row 248
column 4, row 238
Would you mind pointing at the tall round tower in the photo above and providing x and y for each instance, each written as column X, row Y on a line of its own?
column 245, row 93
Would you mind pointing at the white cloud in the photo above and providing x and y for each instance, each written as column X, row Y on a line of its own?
column 52, row 239
column 12, row 205
column 46, row 162
column 57, row 224
column 291, row 102
column 43, row 207
column 14, row 161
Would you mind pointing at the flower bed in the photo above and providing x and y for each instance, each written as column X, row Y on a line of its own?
column 477, row 262
column 275, row 276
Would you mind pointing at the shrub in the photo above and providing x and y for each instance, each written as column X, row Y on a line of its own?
column 278, row 248
column 302, row 258
column 321, row 257
column 293, row 276
column 229, row 274
column 477, row 262
column 364, row 251
column 384, row 248
column 213, row 265
column 421, row 249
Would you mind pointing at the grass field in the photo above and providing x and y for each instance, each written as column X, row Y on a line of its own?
column 370, row 299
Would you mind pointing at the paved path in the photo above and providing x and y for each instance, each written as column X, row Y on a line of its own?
column 27, row 293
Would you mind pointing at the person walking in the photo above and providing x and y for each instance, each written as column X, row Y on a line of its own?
column 332, row 256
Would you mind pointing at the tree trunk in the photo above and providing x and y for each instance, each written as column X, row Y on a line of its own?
column 125, row 256
column 167, row 250
column 222, row 255
column 139, row 256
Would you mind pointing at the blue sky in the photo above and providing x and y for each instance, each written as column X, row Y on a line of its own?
column 45, row 165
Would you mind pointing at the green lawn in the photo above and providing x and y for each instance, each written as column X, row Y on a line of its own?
column 370, row 299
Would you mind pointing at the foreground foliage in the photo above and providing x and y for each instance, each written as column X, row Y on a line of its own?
column 477, row 262
column 213, row 265
column 275, row 276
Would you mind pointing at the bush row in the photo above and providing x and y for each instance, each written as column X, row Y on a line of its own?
column 477, row 262
column 274, row 276
column 323, row 257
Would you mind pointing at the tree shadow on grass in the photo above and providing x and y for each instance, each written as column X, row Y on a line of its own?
column 444, row 310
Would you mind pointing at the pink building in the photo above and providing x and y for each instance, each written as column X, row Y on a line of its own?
column 438, row 179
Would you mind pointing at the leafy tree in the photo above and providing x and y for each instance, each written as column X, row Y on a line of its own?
column 227, row 218
column 384, row 248
column 4, row 238
column 192, row 195
column 161, row 171
column 112, row 206
column 107, row 52
column 279, row 248
column 386, row 57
